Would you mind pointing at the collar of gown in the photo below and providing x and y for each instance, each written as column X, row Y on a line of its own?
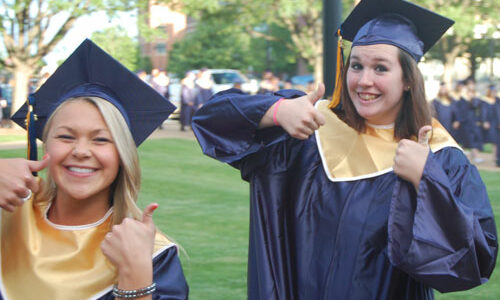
column 348, row 155
column 51, row 261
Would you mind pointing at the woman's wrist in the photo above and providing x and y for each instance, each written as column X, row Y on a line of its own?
column 134, row 277
column 134, row 293
column 270, row 118
column 275, row 111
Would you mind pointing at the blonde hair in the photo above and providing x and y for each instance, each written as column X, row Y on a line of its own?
column 125, row 187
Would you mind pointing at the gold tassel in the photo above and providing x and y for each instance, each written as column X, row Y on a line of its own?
column 28, row 119
column 338, row 74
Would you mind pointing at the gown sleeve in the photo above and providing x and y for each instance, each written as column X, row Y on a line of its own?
column 444, row 236
column 227, row 126
column 168, row 276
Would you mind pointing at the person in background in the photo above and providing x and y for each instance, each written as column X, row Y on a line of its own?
column 78, row 232
column 237, row 84
column 204, row 84
column 5, row 101
column 368, row 198
column 189, row 96
column 159, row 82
column 488, row 119
column 287, row 85
column 443, row 108
column 143, row 75
column 496, row 116
column 468, row 110
column 266, row 84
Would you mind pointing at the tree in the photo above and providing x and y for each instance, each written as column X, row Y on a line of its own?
column 118, row 44
column 301, row 18
column 468, row 14
column 217, row 42
column 213, row 44
column 30, row 29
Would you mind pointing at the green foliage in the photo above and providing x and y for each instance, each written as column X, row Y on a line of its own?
column 144, row 63
column 221, row 40
column 281, row 58
column 33, row 28
column 118, row 44
column 467, row 14
column 214, row 44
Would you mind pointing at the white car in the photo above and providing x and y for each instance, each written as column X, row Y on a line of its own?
column 226, row 78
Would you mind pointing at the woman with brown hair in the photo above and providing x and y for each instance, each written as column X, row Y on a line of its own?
column 367, row 199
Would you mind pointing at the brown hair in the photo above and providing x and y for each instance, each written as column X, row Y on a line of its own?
column 414, row 111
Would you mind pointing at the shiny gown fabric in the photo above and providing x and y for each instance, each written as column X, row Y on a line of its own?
column 373, row 238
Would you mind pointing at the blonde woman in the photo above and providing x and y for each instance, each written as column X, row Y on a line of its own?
column 82, row 235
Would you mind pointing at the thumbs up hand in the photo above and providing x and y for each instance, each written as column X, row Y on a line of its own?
column 297, row 117
column 410, row 158
column 129, row 247
column 17, row 181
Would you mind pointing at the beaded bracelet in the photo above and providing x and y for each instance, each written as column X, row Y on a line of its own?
column 131, row 294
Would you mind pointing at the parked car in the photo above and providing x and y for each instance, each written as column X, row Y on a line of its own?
column 226, row 78
column 223, row 79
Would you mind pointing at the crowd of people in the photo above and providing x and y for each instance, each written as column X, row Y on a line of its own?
column 471, row 117
column 196, row 89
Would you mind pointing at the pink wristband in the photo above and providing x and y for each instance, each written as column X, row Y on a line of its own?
column 275, row 121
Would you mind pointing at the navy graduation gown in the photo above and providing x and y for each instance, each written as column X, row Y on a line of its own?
column 375, row 238
column 469, row 116
column 496, row 115
column 444, row 113
column 488, row 115
column 168, row 276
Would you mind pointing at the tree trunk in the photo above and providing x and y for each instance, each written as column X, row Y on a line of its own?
column 22, row 75
column 449, row 61
column 318, row 69
column 448, row 72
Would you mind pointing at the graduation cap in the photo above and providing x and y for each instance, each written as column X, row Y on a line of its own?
column 89, row 71
column 394, row 22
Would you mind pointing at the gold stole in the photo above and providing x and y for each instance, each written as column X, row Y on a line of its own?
column 40, row 260
column 348, row 155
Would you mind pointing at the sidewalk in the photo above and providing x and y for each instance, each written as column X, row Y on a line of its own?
column 171, row 130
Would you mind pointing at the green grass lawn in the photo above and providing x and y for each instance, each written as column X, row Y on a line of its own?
column 204, row 208
column 12, row 138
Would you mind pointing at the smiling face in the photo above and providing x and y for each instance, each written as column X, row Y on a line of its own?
column 84, row 159
column 375, row 82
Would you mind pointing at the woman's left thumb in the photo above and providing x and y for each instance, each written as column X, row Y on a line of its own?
column 147, row 214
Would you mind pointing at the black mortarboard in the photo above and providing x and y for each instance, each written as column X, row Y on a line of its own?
column 394, row 22
column 89, row 71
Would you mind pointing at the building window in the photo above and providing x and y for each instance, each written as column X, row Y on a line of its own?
column 161, row 48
